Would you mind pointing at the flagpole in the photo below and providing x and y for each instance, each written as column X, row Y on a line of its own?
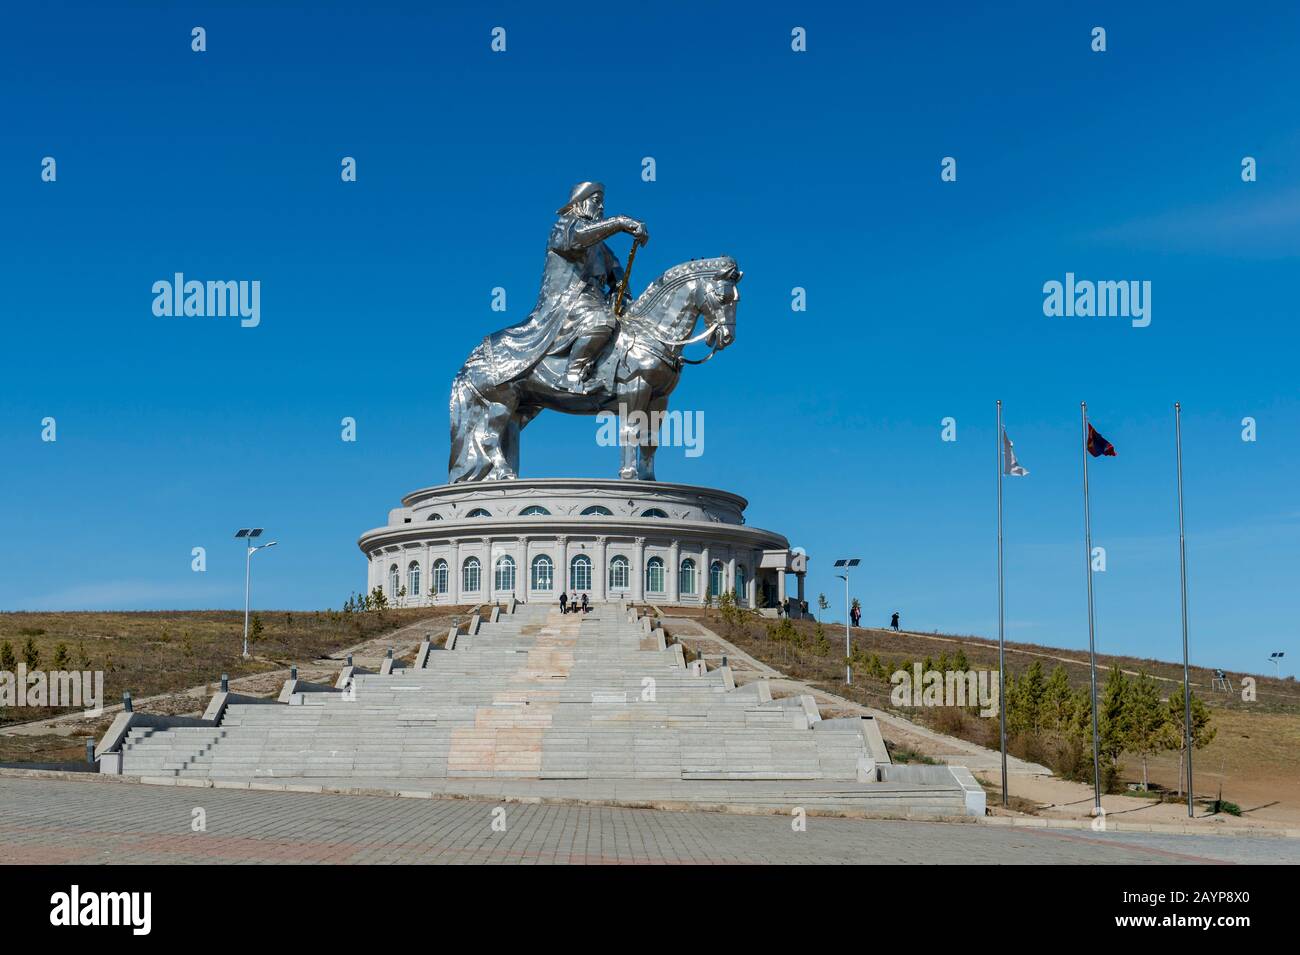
column 1002, row 698
column 1092, row 650
column 1182, row 576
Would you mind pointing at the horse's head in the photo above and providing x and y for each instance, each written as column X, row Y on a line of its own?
column 719, row 305
column 678, row 299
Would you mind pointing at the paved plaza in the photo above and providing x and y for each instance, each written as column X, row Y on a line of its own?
column 68, row 821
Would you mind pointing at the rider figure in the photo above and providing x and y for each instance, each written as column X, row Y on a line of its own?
column 592, row 278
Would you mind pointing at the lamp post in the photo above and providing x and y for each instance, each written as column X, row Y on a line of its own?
column 248, row 534
column 846, row 563
column 1276, row 660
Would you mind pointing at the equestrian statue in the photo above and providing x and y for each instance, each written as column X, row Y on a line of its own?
column 582, row 352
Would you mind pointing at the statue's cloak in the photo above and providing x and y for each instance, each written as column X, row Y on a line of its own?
column 574, row 280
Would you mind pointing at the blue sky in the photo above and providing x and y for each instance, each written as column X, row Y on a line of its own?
column 817, row 169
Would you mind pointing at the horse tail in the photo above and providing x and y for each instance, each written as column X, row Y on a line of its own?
column 469, row 459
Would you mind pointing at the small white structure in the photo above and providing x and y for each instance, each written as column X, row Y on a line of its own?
column 643, row 541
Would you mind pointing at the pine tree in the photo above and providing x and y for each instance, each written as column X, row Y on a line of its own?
column 1113, row 723
column 31, row 655
column 62, row 659
column 1028, row 700
column 1146, row 722
column 960, row 662
column 1175, row 733
column 1010, row 694
column 1057, row 703
column 8, row 662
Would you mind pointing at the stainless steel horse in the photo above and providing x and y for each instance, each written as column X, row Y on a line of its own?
column 637, row 371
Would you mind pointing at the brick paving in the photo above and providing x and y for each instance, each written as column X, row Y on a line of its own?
column 63, row 821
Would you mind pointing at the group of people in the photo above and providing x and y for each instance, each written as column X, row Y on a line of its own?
column 572, row 604
column 855, row 617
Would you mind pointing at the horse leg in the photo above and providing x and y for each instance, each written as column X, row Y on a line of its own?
column 497, row 437
column 646, row 461
column 633, row 400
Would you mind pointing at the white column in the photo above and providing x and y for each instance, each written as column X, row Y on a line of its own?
column 599, row 585
column 638, row 569
column 524, row 584
column 731, row 574
column 780, row 586
column 702, row 581
column 453, row 572
column 426, row 576
column 674, row 573
column 562, row 565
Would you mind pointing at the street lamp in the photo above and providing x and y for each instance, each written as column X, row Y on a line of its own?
column 1276, row 660
column 248, row 534
column 846, row 563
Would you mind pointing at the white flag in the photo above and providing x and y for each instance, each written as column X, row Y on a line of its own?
column 1009, row 463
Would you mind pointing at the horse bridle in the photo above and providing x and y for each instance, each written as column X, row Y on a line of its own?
column 715, row 324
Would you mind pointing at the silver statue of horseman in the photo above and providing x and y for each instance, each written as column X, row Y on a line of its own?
column 578, row 353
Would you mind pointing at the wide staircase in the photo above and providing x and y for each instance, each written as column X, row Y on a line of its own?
column 535, row 695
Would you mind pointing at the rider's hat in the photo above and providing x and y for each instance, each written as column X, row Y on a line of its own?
column 582, row 190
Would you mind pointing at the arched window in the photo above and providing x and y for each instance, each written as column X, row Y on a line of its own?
column 435, row 517
column 469, row 577
column 716, row 577
column 413, row 579
column 686, row 578
column 440, row 577
column 654, row 576
column 505, row 573
column 597, row 510
column 580, row 573
column 740, row 583
column 653, row 512
column 543, row 573
column 478, row 512
column 534, row 510
column 618, row 575
column 392, row 581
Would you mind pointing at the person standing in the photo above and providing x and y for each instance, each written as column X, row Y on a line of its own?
column 893, row 623
column 585, row 606
column 564, row 602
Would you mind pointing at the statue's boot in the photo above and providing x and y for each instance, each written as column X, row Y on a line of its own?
column 578, row 378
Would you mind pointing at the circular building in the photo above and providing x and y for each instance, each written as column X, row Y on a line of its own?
column 643, row 541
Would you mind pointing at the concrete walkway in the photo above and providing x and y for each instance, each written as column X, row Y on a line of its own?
column 59, row 821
